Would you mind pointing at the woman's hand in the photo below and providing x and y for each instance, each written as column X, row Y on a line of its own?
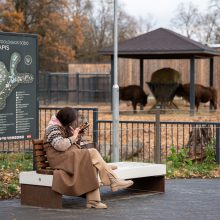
column 75, row 132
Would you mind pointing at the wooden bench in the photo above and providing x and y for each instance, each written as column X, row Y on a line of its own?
column 36, row 185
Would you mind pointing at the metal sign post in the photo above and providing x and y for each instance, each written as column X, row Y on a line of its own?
column 115, row 91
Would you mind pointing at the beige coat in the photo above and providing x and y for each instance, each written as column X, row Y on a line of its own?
column 74, row 173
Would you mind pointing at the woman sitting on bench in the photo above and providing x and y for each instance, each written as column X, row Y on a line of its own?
column 75, row 169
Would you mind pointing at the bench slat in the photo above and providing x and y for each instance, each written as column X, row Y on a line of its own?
column 44, row 171
column 40, row 159
column 37, row 141
column 39, row 153
column 42, row 164
column 38, row 147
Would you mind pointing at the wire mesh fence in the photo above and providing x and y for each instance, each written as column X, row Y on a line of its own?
column 79, row 88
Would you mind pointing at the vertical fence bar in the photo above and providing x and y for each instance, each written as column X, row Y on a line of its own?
column 77, row 88
column 127, row 135
column 95, row 125
column 166, row 140
column 121, row 128
column 132, row 140
column 57, row 93
column 157, row 150
column 217, row 145
column 49, row 87
column 149, row 138
column 99, row 138
column 143, row 141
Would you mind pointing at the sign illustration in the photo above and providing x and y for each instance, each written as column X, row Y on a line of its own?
column 10, row 79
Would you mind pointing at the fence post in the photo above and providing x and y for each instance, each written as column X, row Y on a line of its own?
column 217, row 145
column 95, row 125
column 49, row 86
column 157, row 148
column 77, row 88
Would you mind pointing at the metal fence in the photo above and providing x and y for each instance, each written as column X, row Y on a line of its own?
column 137, row 139
column 80, row 88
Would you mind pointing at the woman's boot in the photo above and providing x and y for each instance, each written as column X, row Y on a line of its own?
column 94, row 200
column 117, row 184
column 96, row 205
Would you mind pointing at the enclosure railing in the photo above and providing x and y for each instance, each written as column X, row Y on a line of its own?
column 136, row 138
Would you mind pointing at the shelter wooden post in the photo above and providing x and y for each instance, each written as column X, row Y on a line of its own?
column 211, row 76
column 192, row 86
column 142, row 75
column 211, row 71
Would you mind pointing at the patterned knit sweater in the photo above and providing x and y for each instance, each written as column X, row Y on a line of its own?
column 55, row 135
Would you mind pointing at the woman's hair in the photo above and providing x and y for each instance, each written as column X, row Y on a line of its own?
column 67, row 115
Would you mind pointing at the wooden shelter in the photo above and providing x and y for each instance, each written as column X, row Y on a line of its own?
column 165, row 44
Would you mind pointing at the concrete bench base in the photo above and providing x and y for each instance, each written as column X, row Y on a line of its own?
column 36, row 188
column 40, row 196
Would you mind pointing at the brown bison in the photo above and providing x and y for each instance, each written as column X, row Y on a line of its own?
column 133, row 93
column 202, row 94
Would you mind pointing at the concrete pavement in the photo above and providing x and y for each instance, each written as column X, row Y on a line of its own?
column 189, row 199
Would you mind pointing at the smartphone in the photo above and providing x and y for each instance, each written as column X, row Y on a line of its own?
column 83, row 127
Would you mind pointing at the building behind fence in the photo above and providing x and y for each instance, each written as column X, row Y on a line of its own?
column 136, row 138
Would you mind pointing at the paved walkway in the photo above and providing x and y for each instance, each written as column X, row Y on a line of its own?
column 184, row 200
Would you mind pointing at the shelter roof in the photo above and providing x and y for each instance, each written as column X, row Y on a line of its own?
column 161, row 44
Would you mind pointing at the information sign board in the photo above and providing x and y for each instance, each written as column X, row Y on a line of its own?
column 18, row 86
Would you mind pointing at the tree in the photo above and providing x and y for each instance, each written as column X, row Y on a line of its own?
column 207, row 28
column 215, row 6
column 79, row 23
column 146, row 24
column 99, row 31
column 203, row 27
column 10, row 20
column 186, row 19
column 47, row 19
column 68, row 30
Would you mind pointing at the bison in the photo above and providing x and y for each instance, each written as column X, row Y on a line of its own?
column 135, row 94
column 202, row 94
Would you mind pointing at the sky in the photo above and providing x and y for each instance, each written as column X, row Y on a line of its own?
column 161, row 10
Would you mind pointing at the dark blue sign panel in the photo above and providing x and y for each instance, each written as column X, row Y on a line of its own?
column 18, row 86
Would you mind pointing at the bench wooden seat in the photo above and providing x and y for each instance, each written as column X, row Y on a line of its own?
column 36, row 185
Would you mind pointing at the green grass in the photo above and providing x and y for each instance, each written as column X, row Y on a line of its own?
column 10, row 167
column 179, row 165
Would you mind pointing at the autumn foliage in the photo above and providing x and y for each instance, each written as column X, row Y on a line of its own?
column 68, row 30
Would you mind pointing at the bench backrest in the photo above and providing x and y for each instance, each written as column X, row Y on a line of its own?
column 41, row 163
